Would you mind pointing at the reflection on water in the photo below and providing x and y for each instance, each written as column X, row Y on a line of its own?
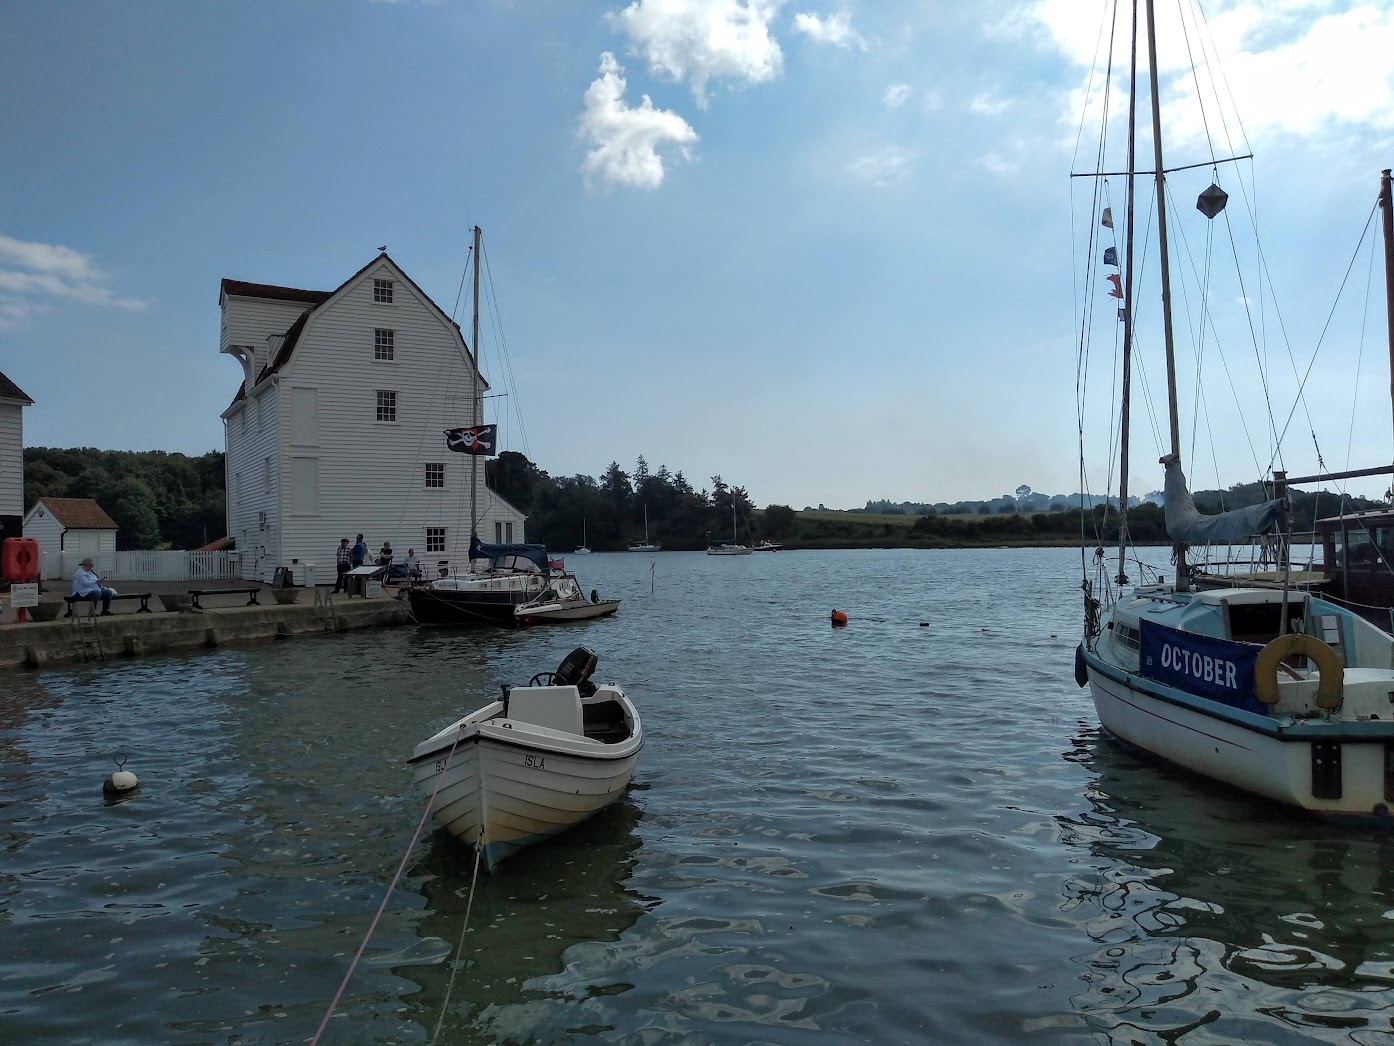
column 1212, row 910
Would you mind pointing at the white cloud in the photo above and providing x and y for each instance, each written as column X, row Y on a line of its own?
column 835, row 29
column 627, row 139
column 895, row 95
column 986, row 105
column 1296, row 67
column 32, row 273
column 702, row 40
column 882, row 167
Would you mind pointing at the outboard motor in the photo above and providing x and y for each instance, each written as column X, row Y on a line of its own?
column 576, row 668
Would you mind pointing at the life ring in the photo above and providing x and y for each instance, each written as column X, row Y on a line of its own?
column 1330, row 672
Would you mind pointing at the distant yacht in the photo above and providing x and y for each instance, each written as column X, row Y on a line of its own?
column 646, row 547
column 583, row 550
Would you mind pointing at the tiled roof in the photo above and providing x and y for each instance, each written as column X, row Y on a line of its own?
column 10, row 391
column 215, row 546
column 79, row 513
column 269, row 290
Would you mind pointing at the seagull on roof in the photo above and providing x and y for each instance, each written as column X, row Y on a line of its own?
column 383, row 248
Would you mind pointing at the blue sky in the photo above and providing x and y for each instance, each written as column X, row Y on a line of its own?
column 831, row 258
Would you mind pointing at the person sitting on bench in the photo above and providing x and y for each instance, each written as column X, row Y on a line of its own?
column 89, row 586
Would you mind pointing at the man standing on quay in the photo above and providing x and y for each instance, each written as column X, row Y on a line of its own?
column 343, row 557
column 360, row 551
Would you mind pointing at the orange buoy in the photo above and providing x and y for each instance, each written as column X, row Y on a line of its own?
column 839, row 617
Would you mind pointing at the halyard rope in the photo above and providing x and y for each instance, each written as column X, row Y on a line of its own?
column 469, row 904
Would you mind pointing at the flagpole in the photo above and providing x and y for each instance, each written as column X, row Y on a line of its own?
column 474, row 398
column 1125, row 413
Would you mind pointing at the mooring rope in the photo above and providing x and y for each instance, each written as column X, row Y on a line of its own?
column 440, row 777
column 460, row 947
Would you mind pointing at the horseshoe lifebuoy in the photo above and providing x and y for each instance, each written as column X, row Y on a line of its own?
column 1330, row 672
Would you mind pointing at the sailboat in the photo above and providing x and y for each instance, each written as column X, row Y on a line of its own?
column 584, row 549
column 515, row 573
column 734, row 548
column 1275, row 691
column 646, row 547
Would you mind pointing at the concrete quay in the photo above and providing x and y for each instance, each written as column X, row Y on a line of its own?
column 38, row 644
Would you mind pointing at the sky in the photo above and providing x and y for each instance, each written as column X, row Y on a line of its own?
column 831, row 252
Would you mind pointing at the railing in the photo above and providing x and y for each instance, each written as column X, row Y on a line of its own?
column 145, row 565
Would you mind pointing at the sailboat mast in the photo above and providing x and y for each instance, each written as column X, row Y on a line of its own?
column 1125, row 413
column 1386, row 202
column 1183, row 582
column 474, row 389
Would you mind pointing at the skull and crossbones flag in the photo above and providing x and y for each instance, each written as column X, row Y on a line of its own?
column 481, row 439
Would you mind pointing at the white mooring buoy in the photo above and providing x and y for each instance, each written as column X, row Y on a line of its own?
column 122, row 782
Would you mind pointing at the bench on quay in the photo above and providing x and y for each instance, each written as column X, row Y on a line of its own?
column 196, row 593
column 144, row 598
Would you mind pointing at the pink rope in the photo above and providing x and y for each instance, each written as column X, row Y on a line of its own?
column 386, row 897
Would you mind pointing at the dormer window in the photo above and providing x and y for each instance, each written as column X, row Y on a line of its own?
column 382, row 292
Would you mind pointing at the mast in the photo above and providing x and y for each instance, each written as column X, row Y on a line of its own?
column 475, row 397
column 1126, row 410
column 1386, row 202
column 1183, row 582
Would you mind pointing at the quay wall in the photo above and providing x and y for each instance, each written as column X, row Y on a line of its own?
column 68, row 640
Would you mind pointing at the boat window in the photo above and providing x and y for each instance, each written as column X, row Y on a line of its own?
column 1127, row 636
column 1359, row 552
column 1262, row 622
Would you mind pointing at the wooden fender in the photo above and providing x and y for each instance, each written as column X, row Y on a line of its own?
column 1330, row 673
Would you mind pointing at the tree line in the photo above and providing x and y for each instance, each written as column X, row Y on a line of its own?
column 162, row 500
column 158, row 500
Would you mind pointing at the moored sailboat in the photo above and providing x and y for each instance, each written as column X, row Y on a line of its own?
column 645, row 546
column 1275, row 691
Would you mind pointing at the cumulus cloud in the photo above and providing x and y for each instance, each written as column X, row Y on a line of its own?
column 882, row 167
column 702, row 40
column 626, row 140
column 895, row 95
column 32, row 274
column 1295, row 67
column 835, row 29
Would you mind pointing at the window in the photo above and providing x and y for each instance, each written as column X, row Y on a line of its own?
column 382, row 292
column 266, row 473
column 387, row 405
column 244, row 418
column 435, row 474
column 435, row 539
column 304, row 415
column 383, row 344
column 508, row 532
column 498, row 532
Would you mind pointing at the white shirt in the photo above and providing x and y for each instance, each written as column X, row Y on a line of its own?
column 85, row 582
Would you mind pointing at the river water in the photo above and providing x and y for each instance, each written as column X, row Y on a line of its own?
column 905, row 830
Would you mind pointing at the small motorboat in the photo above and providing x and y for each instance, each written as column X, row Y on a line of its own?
column 563, row 600
column 768, row 546
column 544, row 757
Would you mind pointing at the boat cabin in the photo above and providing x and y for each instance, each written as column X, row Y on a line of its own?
column 1358, row 562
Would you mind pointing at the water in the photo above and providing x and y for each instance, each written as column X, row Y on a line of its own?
column 894, row 832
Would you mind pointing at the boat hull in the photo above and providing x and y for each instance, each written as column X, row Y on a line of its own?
column 478, row 600
column 1262, row 757
column 501, row 786
column 562, row 612
column 729, row 550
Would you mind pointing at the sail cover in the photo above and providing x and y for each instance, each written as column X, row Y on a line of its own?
column 505, row 556
column 1187, row 526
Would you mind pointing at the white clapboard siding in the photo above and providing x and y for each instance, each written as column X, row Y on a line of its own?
column 250, row 321
column 11, row 458
column 48, row 532
column 341, row 472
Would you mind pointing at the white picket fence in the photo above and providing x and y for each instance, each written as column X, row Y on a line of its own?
column 146, row 565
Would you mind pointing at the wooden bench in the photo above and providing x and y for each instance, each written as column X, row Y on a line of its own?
column 144, row 598
column 195, row 593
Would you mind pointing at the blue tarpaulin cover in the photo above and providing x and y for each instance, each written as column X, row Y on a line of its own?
column 493, row 553
column 1215, row 668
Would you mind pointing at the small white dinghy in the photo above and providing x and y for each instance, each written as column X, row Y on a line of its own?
column 524, row 768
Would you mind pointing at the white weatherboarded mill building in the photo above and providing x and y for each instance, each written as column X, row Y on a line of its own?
column 339, row 426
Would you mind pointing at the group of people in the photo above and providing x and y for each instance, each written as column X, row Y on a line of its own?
column 347, row 557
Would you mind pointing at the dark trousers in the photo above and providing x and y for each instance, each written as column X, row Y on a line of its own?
column 340, row 585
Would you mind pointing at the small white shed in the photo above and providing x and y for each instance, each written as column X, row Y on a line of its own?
column 72, row 525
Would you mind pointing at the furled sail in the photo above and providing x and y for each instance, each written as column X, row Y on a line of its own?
column 1186, row 525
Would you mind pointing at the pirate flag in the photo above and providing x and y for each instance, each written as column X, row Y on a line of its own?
column 481, row 439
